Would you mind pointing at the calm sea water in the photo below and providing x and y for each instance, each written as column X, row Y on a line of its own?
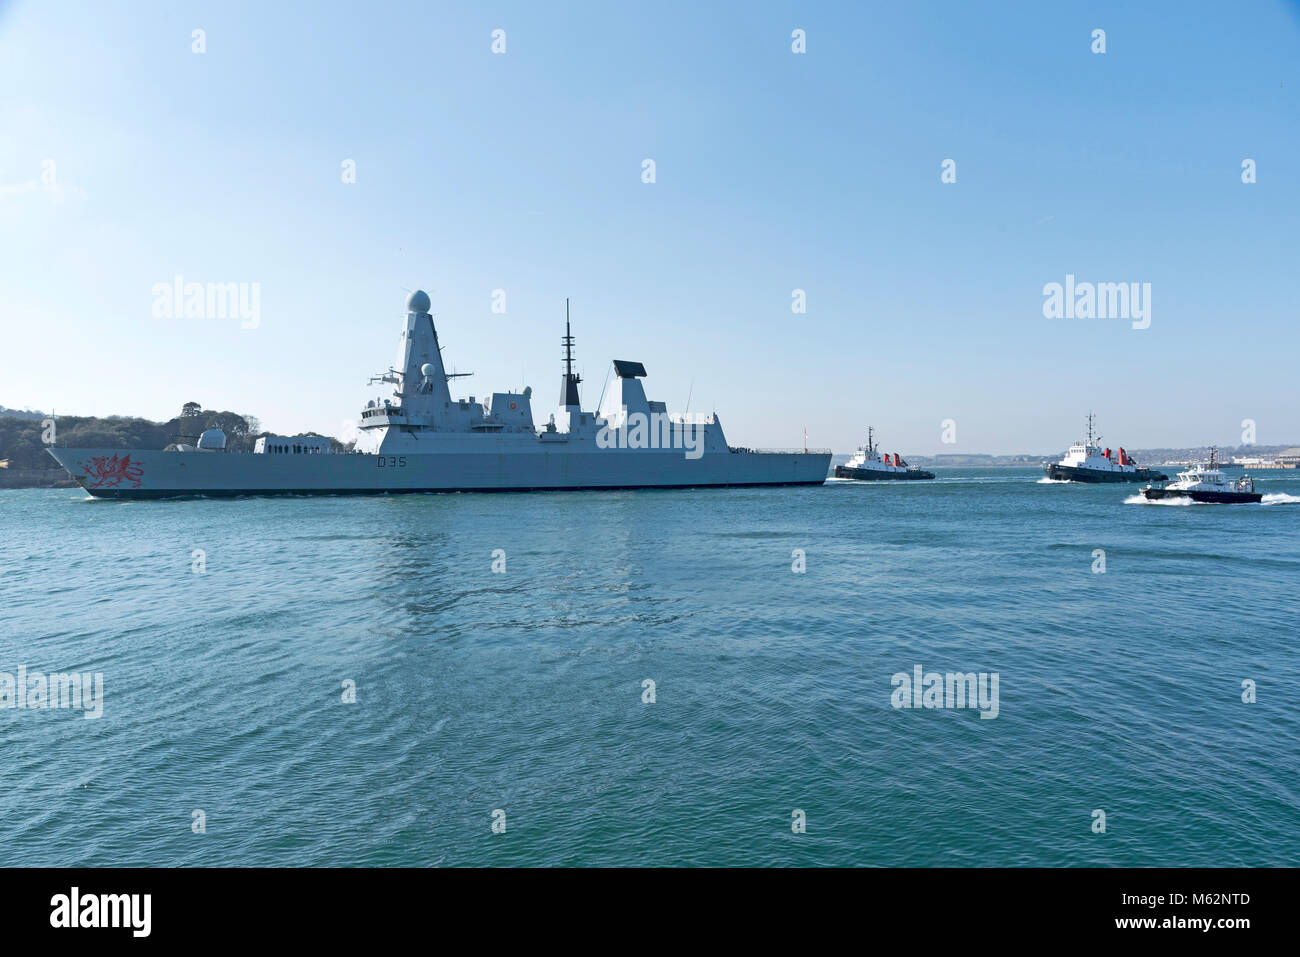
column 522, row 691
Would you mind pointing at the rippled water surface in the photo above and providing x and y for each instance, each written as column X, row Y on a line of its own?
column 522, row 691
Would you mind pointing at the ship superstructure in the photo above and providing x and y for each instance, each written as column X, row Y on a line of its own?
column 420, row 438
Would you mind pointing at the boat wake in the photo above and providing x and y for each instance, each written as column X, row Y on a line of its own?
column 1143, row 500
column 1280, row 498
column 1051, row 481
column 1272, row 498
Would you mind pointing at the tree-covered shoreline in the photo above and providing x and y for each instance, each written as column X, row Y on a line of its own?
column 25, row 435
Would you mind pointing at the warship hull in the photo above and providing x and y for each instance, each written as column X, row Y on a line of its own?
column 115, row 473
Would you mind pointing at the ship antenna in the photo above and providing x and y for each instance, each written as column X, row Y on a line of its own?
column 568, row 342
column 569, row 387
column 600, row 404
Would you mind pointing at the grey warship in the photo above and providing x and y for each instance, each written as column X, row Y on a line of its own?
column 424, row 440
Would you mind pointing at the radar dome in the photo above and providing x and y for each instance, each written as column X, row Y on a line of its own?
column 417, row 301
column 427, row 369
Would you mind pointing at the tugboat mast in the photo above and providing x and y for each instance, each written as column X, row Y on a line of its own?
column 1093, row 440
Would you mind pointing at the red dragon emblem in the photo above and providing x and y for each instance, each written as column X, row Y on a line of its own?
column 106, row 471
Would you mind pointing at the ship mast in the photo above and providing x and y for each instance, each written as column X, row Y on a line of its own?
column 569, row 383
column 1092, row 440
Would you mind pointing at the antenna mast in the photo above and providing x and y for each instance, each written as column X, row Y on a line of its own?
column 569, row 384
column 568, row 342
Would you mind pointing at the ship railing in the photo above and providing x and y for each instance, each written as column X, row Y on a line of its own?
column 738, row 449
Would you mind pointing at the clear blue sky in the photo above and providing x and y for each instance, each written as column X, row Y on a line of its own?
column 775, row 171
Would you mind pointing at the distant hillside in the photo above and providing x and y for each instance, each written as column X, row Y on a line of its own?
column 20, row 414
column 24, row 463
column 1200, row 453
column 976, row 460
column 22, row 438
column 1197, row 453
